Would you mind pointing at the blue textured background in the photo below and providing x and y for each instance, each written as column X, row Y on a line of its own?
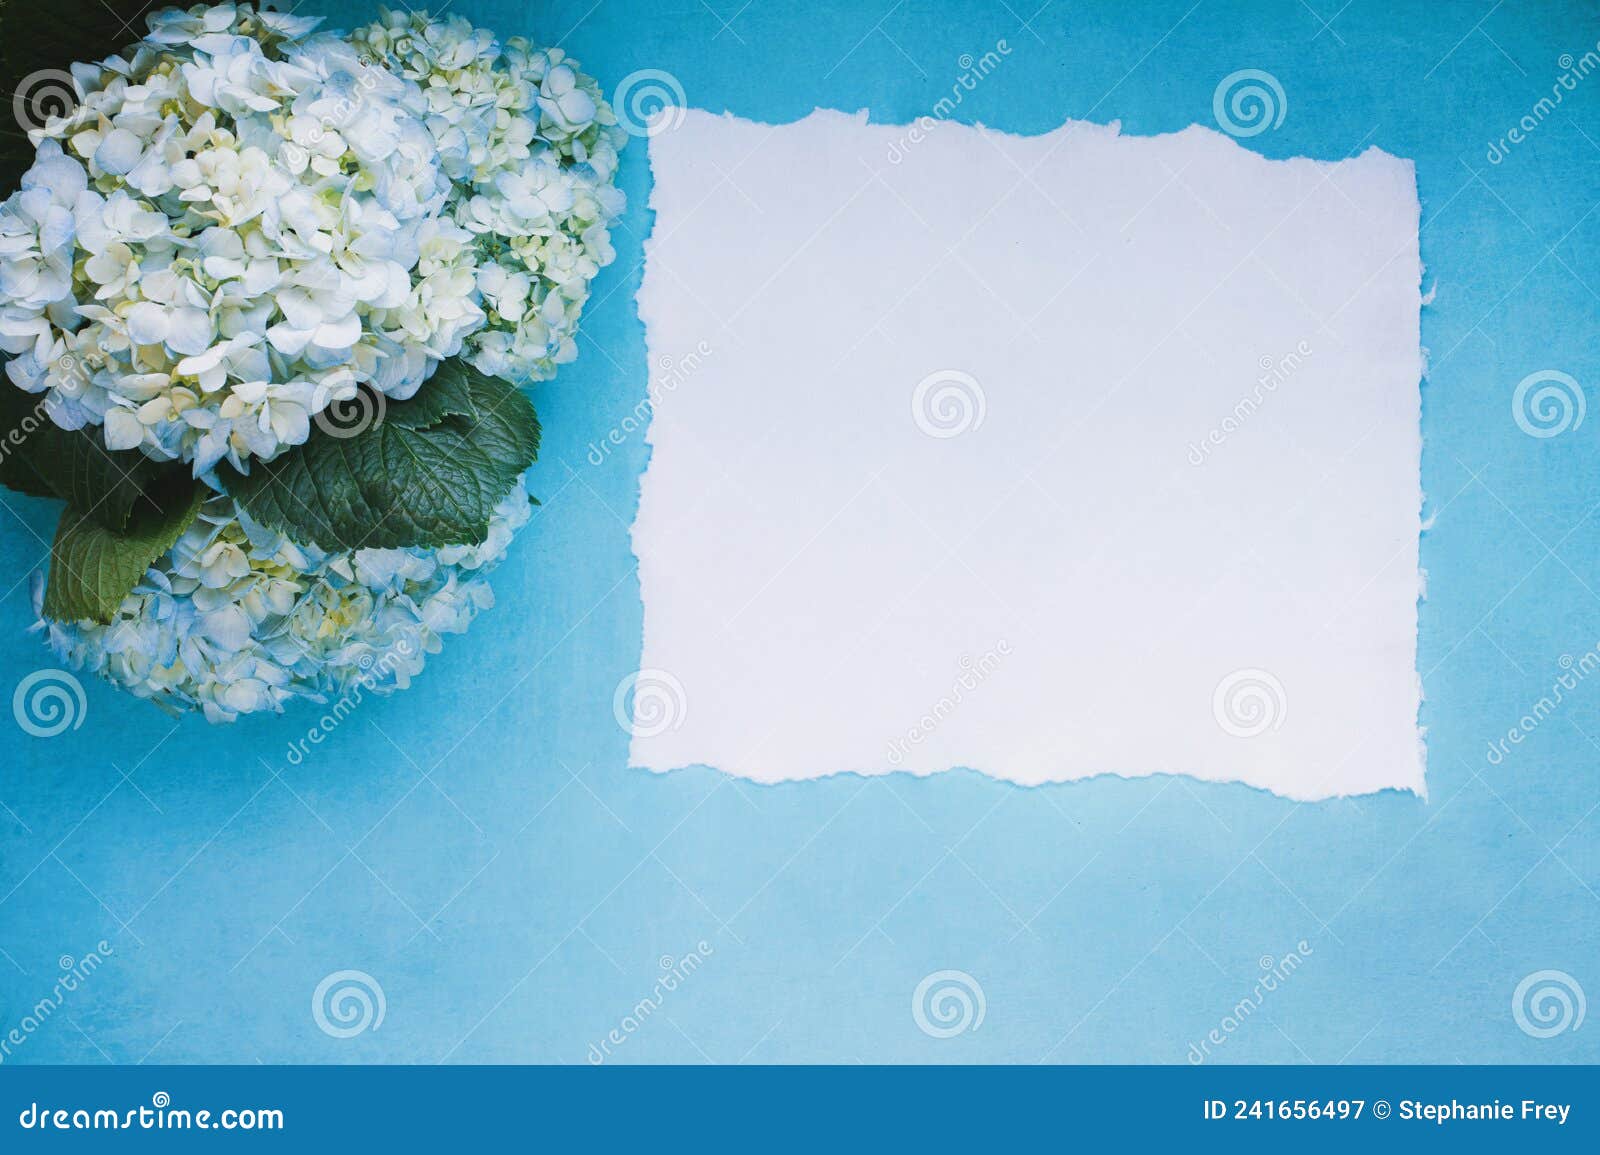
column 479, row 846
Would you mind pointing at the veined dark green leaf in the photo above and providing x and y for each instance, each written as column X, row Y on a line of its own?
column 448, row 393
column 506, row 425
column 399, row 482
column 40, row 458
column 18, row 470
column 93, row 568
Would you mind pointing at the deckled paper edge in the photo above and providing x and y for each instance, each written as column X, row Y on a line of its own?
column 1419, row 789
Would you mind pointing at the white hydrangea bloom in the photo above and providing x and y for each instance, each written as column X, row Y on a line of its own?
column 243, row 222
column 236, row 619
column 225, row 236
column 531, row 147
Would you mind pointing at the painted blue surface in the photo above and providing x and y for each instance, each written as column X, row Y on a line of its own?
column 478, row 846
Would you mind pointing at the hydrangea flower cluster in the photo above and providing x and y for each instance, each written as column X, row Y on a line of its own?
column 236, row 618
column 222, row 238
column 530, row 147
column 244, row 222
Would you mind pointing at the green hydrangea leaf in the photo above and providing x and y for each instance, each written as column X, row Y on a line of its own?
column 17, row 469
column 92, row 568
column 401, row 481
column 39, row 458
column 448, row 393
column 506, row 425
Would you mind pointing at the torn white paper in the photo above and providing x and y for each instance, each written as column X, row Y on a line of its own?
column 1044, row 456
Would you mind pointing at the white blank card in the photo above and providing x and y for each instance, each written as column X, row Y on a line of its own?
column 1044, row 456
